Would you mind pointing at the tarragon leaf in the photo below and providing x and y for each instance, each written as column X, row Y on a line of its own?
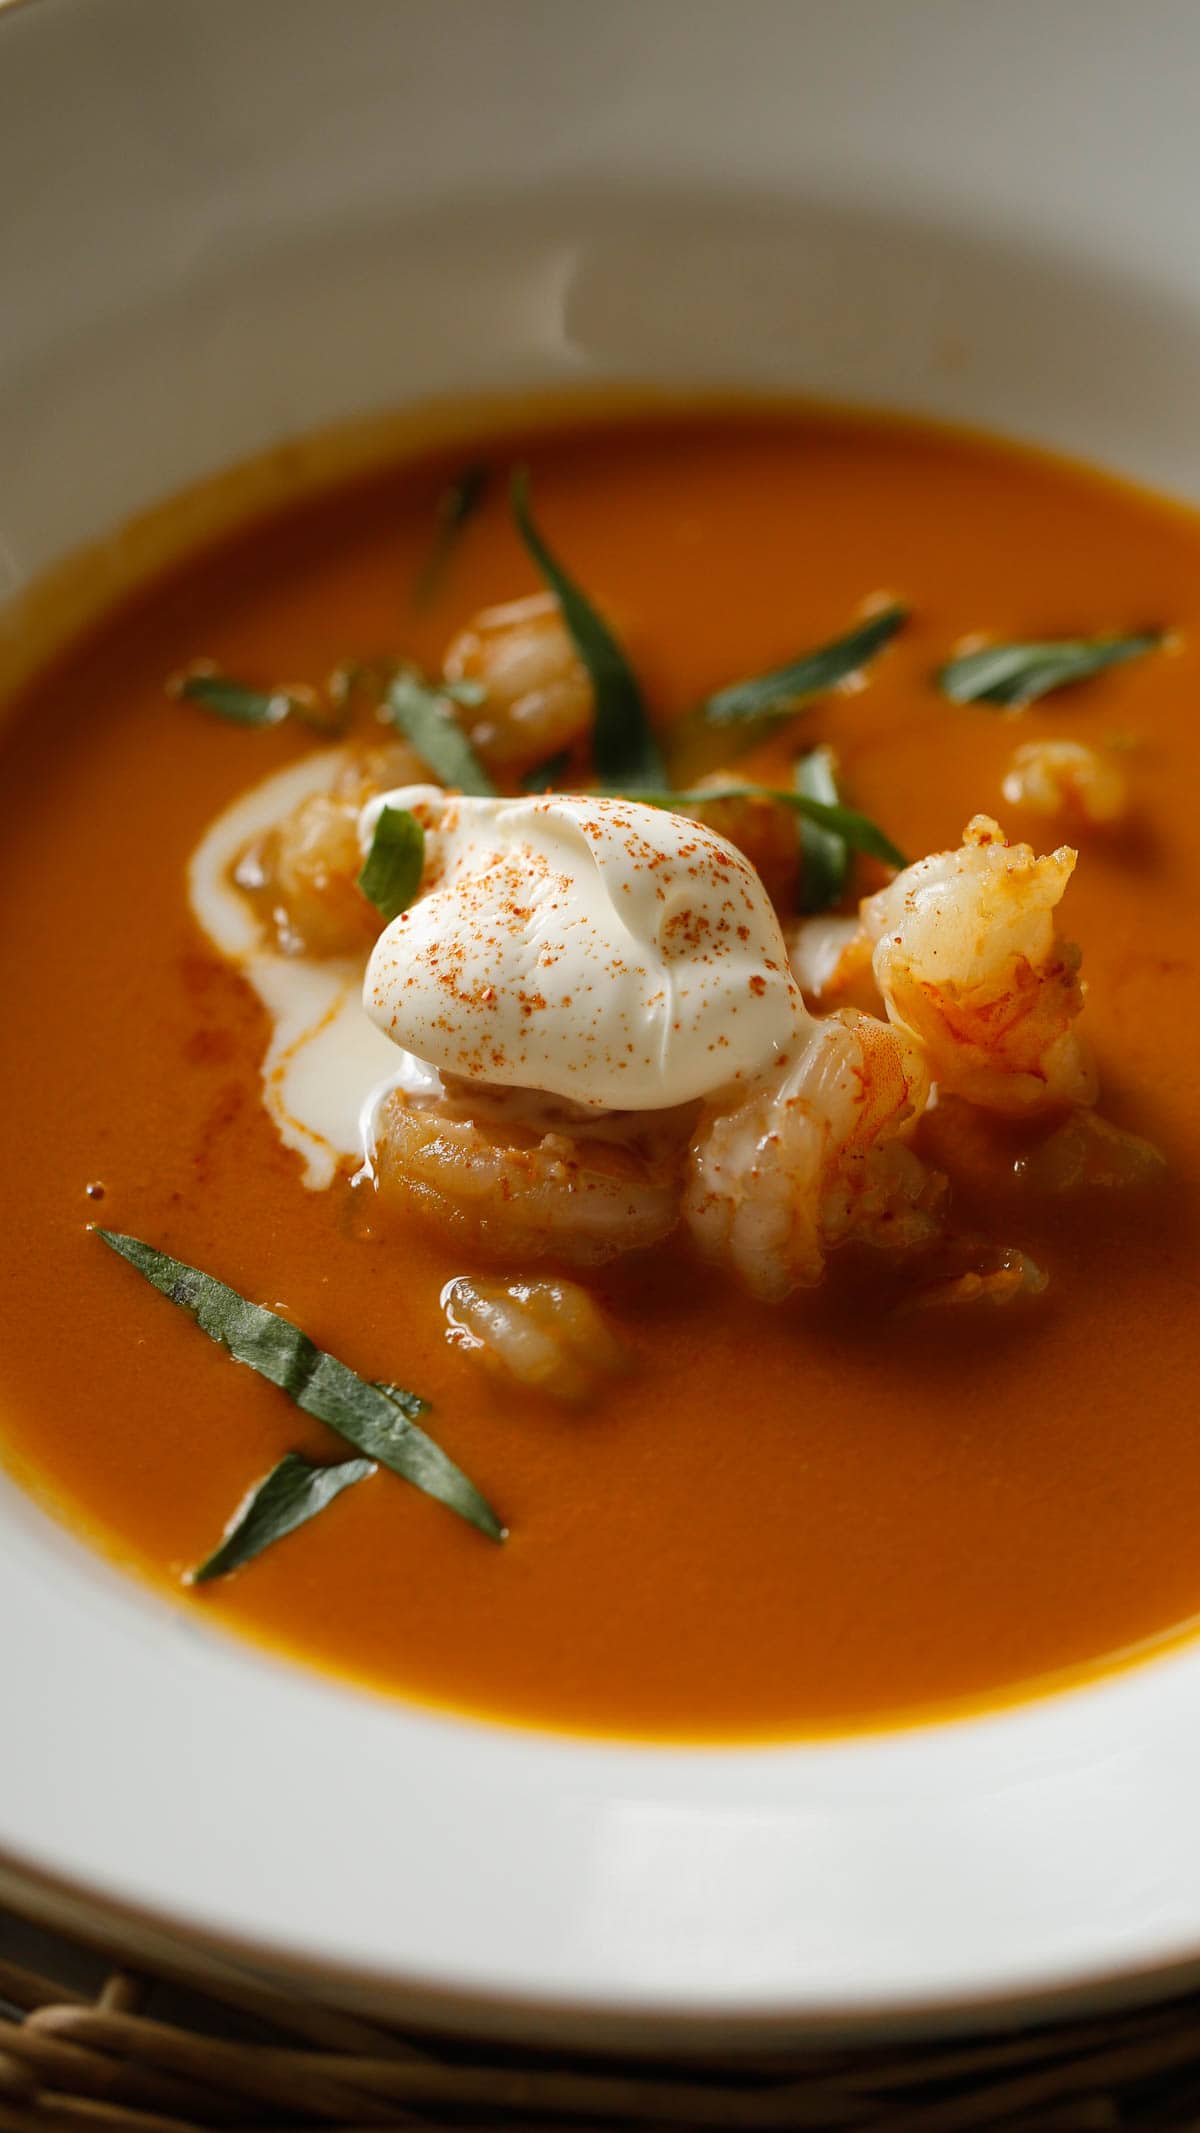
column 456, row 505
column 391, row 872
column 292, row 1493
column 374, row 1422
column 420, row 709
column 783, row 689
column 1013, row 675
column 824, row 853
column 858, row 831
column 241, row 705
column 624, row 749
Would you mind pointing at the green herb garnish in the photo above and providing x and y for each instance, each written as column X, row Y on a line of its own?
column 455, row 506
column 378, row 1424
column 824, row 853
column 781, row 691
column 858, row 831
column 243, row 706
column 391, row 872
column 1013, row 675
column 624, row 749
column 422, row 711
column 292, row 1493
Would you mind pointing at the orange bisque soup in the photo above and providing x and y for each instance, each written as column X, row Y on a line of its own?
column 804, row 1276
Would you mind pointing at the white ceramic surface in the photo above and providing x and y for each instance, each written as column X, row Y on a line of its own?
column 226, row 221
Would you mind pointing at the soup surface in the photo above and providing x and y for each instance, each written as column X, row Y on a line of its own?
column 781, row 1518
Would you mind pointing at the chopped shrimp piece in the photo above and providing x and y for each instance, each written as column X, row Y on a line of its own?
column 303, row 874
column 538, row 699
column 967, row 958
column 548, row 1336
column 830, row 956
column 508, row 1173
column 1067, row 782
column 815, row 1156
column 994, row 1274
column 1088, row 1150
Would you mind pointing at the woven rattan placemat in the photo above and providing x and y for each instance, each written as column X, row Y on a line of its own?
column 87, row 2046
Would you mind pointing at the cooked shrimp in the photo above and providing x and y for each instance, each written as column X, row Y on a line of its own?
column 303, row 874
column 513, row 1174
column 1067, row 782
column 538, row 699
column 830, row 957
column 815, row 1156
column 975, row 1272
column 967, row 959
column 1089, row 1150
column 546, row 1335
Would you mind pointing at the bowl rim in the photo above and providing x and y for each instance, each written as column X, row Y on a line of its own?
column 786, row 1843
column 173, row 1777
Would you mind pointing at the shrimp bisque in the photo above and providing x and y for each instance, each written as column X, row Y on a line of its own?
column 566, row 1047
column 603, row 1040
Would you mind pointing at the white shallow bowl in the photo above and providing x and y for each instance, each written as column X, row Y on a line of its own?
column 227, row 223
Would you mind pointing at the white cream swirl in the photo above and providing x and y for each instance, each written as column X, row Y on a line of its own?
column 325, row 1064
column 593, row 948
